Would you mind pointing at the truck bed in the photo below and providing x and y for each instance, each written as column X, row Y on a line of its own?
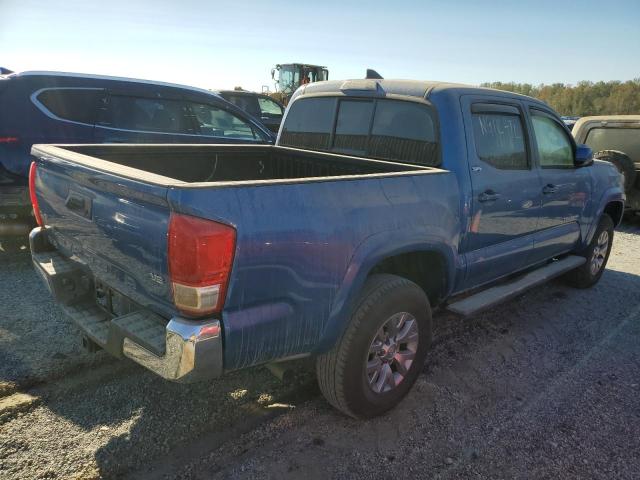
column 179, row 164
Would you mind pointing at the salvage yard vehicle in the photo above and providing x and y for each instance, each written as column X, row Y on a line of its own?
column 381, row 200
column 56, row 107
column 616, row 139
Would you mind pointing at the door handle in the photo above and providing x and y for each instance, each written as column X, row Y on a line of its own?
column 549, row 188
column 488, row 196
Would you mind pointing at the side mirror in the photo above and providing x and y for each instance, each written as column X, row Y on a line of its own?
column 584, row 156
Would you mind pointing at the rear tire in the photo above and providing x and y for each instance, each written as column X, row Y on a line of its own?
column 380, row 355
column 622, row 162
column 596, row 253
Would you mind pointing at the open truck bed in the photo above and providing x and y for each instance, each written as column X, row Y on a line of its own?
column 220, row 164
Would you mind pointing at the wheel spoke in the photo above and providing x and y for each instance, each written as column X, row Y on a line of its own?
column 408, row 333
column 389, row 381
column 403, row 361
column 374, row 365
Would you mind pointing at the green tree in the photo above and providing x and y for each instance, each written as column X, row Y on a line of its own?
column 584, row 98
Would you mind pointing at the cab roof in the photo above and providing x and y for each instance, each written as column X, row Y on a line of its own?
column 408, row 88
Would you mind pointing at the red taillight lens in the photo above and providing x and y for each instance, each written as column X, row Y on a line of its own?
column 200, row 259
column 32, row 194
column 9, row 139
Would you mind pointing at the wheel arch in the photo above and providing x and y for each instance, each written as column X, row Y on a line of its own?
column 384, row 254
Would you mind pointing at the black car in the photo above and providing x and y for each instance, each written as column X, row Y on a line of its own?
column 261, row 106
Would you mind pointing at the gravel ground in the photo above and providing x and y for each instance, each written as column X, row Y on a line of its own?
column 544, row 386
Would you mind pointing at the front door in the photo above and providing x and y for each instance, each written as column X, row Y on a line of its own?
column 506, row 189
column 565, row 188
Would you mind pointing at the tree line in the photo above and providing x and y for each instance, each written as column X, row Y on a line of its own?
column 585, row 98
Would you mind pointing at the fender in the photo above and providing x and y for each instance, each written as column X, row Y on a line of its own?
column 373, row 250
column 611, row 194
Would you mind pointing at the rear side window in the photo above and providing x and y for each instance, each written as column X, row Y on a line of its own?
column 626, row 140
column 309, row 124
column 147, row 115
column 386, row 129
column 403, row 131
column 76, row 105
column 499, row 140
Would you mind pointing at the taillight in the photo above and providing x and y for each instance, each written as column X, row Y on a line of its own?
column 200, row 258
column 9, row 139
column 32, row 194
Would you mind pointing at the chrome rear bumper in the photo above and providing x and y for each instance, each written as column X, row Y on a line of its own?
column 181, row 350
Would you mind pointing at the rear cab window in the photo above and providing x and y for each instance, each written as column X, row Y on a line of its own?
column 624, row 138
column 395, row 130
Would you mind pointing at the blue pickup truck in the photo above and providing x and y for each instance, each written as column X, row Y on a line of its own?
column 381, row 201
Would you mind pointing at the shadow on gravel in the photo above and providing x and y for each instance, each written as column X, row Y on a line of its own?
column 37, row 342
column 146, row 417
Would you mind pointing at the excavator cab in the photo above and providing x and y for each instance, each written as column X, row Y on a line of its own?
column 291, row 75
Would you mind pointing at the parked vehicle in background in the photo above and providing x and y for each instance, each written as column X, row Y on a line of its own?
column 55, row 107
column 615, row 139
column 570, row 121
column 381, row 200
column 262, row 107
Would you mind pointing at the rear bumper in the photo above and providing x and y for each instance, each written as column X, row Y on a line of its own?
column 180, row 350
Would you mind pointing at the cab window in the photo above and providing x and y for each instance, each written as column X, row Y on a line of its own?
column 555, row 150
column 499, row 139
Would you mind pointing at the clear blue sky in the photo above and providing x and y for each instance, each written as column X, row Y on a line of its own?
column 214, row 44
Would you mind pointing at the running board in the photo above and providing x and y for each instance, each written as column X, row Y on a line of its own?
column 494, row 295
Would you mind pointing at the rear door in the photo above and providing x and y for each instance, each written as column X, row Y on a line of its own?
column 565, row 188
column 506, row 189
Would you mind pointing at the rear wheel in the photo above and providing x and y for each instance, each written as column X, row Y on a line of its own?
column 596, row 253
column 380, row 355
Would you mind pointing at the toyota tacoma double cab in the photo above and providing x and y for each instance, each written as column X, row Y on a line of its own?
column 381, row 201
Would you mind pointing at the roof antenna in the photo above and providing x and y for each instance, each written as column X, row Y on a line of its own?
column 372, row 74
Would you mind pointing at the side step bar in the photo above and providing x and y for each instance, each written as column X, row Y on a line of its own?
column 494, row 295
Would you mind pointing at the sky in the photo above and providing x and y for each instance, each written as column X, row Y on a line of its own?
column 212, row 44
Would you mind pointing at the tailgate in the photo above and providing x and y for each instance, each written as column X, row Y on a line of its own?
column 116, row 226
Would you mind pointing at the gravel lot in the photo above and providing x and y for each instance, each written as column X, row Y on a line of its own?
column 544, row 386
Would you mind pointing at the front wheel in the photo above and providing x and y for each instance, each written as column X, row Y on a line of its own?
column 596, row 253
column 381, row 354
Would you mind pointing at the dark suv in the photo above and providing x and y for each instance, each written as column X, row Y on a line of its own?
column 51, row 107
column 261, row 106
